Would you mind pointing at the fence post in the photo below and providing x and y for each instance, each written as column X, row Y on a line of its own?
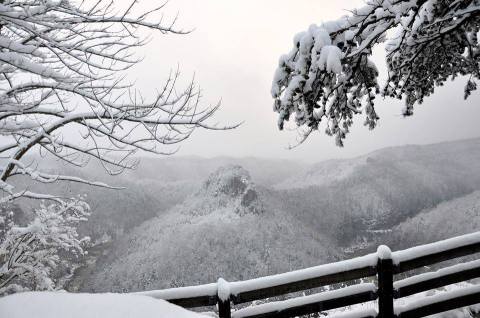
column 223, row 296
column 385, row 282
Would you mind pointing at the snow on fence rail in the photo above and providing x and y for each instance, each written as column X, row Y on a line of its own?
column 384, row 264
column 313, row 303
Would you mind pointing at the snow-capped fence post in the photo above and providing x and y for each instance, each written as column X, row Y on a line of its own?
column 223, row 295
column 385, row 282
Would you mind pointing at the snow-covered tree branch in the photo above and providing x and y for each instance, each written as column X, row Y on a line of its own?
column 28, row 254
column 64, row 94
column 62, row 69
column 328, row 75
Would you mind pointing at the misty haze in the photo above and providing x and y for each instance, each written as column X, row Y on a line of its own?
column 239, row 159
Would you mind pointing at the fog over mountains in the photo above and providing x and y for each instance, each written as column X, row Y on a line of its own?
column 230, row 227
column 188, row 220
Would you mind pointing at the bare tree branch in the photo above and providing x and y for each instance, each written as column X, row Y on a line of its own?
column 62, row 69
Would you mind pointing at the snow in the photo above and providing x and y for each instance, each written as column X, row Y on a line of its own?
column 324, row 173
column 344, row 45
column 330, row 59
column 303, row 274
column 223, row 289
column 7, row 43
column 410, row 302
column 25, row 64
column 440, row 273
column 384, row 252
column 37, row 246
column 355, row 313
column 299, row 301
column 182, row 292
column 69, row 305
column 451, row 218
column 425, row 301
column 427, row 249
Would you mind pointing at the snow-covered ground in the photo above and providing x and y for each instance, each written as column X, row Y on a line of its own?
column 69, row 305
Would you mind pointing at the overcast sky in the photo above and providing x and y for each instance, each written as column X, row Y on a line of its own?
column 233, row 52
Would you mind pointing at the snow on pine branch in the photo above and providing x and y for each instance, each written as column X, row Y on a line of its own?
column 328, row 75
column 62, row 70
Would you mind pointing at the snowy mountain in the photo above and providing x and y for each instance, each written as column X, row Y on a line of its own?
column 228, row 190
column 117, row 211
column 204, row 218
column 230, row 228
column 377, row 191
column 266, row 172
column 451, row 218
column 425, row 161
column 155, row 186
column 323, row 173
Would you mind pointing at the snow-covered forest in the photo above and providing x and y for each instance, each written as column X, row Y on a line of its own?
column 139, row 154
column 244, row 218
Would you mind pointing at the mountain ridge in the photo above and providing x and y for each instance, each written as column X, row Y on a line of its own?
column 209, row 235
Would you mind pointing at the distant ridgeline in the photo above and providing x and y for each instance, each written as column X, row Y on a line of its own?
column 219, row 220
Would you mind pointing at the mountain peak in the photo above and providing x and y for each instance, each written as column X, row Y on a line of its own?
column 231, row 180
column 233, row 184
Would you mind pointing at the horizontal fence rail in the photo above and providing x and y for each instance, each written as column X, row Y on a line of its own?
column 440, row 303
column 437, row 252
column 187, row 297
column 445, row 276
column 310, row 304
column 314, row 277
column 384, row 265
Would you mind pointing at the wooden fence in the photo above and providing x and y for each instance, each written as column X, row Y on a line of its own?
column 383, row 265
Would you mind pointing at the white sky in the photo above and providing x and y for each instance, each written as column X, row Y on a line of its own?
column 233, row 53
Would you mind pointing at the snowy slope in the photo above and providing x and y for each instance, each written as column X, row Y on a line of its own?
column 380, row 190
column 426, row 161
column 155, row 186
column 230, row 228
column 323, row 173
column 115, row 211
column 448, row 219
column 241, row 229
column 66, row 305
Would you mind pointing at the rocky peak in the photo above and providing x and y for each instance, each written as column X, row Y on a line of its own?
column 232, row 183
column 230, row 180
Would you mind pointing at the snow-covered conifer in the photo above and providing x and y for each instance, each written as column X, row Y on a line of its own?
column 328, row 75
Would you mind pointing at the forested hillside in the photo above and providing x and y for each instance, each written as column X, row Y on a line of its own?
column 451, row 218
column 230, row 227
column 234, row 227
column 377, row 191
column 155, row 186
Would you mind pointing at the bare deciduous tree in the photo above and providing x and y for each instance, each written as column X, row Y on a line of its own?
column 62, row 69
column 63, row 93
